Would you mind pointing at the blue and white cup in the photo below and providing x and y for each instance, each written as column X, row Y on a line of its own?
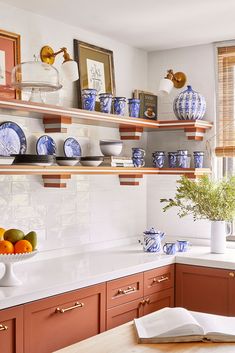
column 134, row 107
column 88, row 98
column 138, row 162
column 170, row 248
column 119, row 105
column 138, row 152
column 172, row 159
column 182, row 157
column 198, row 157
column 105, row 102
column 158, row 159
column 182, row 245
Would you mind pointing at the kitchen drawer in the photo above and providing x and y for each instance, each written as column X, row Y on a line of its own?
column 124, row 313
column 125, row 289
column 158, row 279
column 159, row 300
column 59, row 321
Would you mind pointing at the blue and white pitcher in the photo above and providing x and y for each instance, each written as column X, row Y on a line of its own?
column 152, row 240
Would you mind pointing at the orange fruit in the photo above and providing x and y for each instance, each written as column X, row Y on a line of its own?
column 2, row 231
column 23, row 246
column 6, row 247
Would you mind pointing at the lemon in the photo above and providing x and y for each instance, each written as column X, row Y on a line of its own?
column 2, row 231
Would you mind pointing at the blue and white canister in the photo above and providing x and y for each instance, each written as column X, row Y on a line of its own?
column 119, row 105
column 189, row 105
column 105, row 102
column 172, row 159
column 182, row 156
column 198, row 157
column 158, row 159
column 134, row 107
column 88, row 98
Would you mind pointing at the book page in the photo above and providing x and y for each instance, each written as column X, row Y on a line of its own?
column 168, row 322
column 215, row 324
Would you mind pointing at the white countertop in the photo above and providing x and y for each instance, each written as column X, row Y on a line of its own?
column 47, row 277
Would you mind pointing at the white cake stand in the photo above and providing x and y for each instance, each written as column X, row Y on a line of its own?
column 9, row 278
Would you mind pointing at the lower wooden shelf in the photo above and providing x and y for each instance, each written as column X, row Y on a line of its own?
column 57, row 176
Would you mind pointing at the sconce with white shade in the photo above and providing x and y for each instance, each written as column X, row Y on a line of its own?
column 69, row 66
column 171, row 80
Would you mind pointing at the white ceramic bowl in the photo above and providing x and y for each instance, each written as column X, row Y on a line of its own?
column 111, row 147
column 91, row 161
column 67, row 162
column 6, row 160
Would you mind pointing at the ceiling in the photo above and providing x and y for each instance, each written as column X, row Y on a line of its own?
column 147, row 24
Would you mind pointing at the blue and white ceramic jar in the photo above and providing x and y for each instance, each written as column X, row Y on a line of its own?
column 198, row 157
column 105, row 102
column 189, row 105
column 152, row 240
column 158, row 159
column 119, row 105
column 134, row 107
column 172, row 159
column 182, row 158
column 88, row 98
column 138, row 152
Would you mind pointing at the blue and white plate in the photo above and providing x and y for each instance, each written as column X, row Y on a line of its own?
column 72, row 148
column 46, row 145
column 12, row 139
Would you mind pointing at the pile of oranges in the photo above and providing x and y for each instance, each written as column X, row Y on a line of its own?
column 14, row 246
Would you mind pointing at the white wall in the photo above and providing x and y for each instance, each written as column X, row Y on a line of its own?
column 92, row 210
column 197, row 62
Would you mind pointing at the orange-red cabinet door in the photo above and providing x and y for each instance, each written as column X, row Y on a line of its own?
column 203, row 289
column 159, row 279
column 159, row 300
column 11, row 330
column 59, row 321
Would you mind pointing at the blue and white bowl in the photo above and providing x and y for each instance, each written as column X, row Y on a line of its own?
column 189, row 105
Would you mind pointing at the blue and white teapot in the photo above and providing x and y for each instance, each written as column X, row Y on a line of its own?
column 152, row 240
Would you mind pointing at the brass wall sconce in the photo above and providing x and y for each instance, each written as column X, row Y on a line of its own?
column 171, row 80
column 69, row 66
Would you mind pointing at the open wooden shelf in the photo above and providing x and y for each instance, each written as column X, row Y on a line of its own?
column 56, row 119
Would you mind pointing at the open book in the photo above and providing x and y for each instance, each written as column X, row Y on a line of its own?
column 181, row 325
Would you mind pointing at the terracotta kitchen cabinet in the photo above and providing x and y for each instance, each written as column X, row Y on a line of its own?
column 11, row 330
column 59, row 321
column 133, row 296
column 210, row 290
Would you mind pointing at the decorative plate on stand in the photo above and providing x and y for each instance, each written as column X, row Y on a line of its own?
column 72, row 148
column 46, row 145
column 9, row 278
column 12, row 139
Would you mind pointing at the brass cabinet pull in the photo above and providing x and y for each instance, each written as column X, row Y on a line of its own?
column 147, row 301
column 231, row 274
column 3, row 327
column 76, row 305
column 162, row 279
column 126, row 291
column 142, row 302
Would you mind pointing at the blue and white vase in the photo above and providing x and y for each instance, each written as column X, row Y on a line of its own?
column 189, row 105
column 119, row 105
column 198, row 159
column 105, row 102
column 134, row 107
column 172, row 159
column 88, row 98
column 158, row 159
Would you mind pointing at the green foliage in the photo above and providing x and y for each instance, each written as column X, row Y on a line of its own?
column 204, row 199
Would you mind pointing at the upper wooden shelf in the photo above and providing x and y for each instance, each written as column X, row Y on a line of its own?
column 57, row 118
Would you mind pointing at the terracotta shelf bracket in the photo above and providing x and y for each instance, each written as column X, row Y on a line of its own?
column 56, row 181
column 195, row 133
column 56, row 123
column 130, row 132
column 130, row 179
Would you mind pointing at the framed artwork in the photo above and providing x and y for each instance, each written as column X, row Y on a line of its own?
column 96, row 68
column 148, row 104
column 9, row 57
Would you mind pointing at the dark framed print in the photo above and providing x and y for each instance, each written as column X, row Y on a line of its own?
column 96, row 68
column 9, row 57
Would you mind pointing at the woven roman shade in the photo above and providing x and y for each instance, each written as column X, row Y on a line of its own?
column 225, row 146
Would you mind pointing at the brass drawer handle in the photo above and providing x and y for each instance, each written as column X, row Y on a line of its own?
column 142, row 302
column 3, row 327
column 76, row 305
column 231, row 274
column 162, row 279
column 147, row 301
column 126, row 291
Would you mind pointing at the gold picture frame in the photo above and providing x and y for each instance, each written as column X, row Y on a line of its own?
column 9, row 57
column 96, row 68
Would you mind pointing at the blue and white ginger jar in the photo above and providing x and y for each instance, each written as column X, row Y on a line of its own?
column 189, row 105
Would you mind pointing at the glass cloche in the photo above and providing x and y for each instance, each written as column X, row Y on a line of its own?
column 35, row 77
